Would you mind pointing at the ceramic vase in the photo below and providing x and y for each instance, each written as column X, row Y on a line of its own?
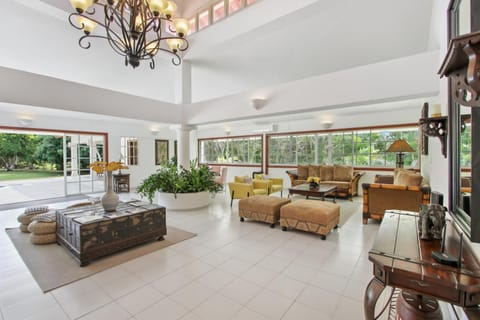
column 313, row 185
column 110, row 198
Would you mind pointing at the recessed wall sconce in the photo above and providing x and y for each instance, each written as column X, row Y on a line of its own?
column 154, row 131
column 228, row 131
column 327, row 124
column 25, row 121
column 258, row 103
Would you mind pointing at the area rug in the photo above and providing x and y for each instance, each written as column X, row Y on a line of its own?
column 52, row 266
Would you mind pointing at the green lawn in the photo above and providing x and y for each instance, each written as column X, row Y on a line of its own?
column 27, row 174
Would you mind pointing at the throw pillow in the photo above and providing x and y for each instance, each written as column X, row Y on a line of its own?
column 342, row 173
column 302, row 172
column 313, row 171
column 404, row 178
column 326, row 173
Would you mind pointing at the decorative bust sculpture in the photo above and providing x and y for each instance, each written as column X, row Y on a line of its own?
column 431, row 221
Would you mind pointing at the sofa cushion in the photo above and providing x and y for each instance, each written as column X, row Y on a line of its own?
column 313, row 171
column 326, row 173
column 405, row 178
column 302, row 172
column 342, row 173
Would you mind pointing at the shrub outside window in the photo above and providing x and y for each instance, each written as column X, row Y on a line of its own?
column 236, row 150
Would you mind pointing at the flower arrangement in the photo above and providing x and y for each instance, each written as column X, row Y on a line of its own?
column 102, row 166
column 315, row 180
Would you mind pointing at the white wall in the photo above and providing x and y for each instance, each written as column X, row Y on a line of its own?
column 394, row 80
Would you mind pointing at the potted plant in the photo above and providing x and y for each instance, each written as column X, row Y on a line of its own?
column 180, row 188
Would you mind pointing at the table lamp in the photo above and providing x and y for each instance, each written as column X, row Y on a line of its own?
column 400, row 146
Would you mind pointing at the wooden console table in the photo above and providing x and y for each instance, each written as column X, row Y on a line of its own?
column 400, row 259
column 88, row 232
column 121, row 182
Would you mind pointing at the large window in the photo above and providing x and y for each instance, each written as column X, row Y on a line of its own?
column 360, row 148
column 239, row 150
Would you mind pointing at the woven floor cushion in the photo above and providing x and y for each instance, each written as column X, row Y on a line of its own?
column 24, row 228
column 261, row 208
column 39, row 227
column 27, row 216
column 43, row 238
column 310, row 215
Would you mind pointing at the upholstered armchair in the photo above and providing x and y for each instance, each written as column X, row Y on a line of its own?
column 274, row 184
column 384, row 195
column 241, row 188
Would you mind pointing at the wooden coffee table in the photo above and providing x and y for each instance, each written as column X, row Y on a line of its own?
column 320, row 192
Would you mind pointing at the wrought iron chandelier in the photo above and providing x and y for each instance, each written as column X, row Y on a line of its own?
column 135, row 29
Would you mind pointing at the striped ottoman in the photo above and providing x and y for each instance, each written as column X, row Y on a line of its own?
column 310, row 215
column 261, row 208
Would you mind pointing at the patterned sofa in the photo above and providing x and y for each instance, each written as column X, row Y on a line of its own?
column 344, row 177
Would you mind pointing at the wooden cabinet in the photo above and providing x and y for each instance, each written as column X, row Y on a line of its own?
column 121, row 182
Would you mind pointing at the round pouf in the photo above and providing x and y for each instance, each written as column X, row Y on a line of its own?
column 39, row 227
column 26, row 217
column 24, row 228
column 43, row 228
column 412, row 306
column 43, row 238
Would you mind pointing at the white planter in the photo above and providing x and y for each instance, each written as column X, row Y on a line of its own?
column 183, row 201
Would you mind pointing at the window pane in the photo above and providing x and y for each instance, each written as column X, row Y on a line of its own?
column 282, row 150
column 193, row 25
column 203, row 19
column 234, row 5
column 231, row 150
column 219, row 11
column 306, row 149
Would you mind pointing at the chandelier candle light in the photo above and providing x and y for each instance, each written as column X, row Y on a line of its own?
column 135, row 29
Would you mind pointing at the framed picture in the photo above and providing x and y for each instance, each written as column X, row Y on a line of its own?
column 161, row 152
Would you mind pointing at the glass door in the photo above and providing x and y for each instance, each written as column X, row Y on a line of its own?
column 79, row 151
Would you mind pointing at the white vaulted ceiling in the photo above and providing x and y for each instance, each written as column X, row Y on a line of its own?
column 270, row 45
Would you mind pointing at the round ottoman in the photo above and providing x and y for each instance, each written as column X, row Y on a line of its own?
column 43, row 228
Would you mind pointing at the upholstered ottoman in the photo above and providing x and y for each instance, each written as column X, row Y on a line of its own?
column 310, row 215
column 261, row 208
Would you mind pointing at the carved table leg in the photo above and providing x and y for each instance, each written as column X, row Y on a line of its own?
column 373, row 291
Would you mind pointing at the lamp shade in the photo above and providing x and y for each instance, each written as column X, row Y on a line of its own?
column 174, row 44
column 86, row 24
column 157, row 6
column 181, row 26
column 400, row 146
column 81, row 5
column 170, row 9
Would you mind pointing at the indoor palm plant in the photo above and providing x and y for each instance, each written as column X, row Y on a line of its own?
column 173, row 180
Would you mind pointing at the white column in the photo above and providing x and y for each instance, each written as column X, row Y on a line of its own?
column 183, row 144
column 183, row 83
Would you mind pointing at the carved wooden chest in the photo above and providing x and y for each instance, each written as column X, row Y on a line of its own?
column 88, row 232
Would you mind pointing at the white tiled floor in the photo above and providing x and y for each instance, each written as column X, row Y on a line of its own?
column 230, row 270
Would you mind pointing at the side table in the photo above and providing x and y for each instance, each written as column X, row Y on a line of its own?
column 121, row 182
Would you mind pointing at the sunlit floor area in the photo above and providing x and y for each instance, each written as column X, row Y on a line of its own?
column 230, row 270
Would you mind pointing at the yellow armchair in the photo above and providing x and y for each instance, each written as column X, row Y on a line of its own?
column 274, row 184
column 241, row 190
